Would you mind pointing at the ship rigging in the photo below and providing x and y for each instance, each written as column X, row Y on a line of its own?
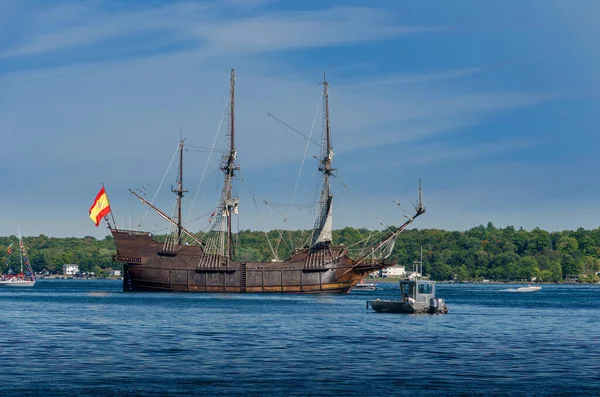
column 210, row 264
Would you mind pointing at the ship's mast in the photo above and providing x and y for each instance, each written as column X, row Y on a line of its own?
column 229, row 169
column 327, row 154
column 179, row 191
column 323, row 225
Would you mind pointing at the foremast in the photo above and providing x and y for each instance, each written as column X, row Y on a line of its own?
column 323, row 222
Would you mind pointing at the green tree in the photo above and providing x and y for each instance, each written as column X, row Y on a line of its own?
column 567, row 245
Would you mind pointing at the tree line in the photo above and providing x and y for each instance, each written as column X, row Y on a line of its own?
column 482, row 252
column 51, row 253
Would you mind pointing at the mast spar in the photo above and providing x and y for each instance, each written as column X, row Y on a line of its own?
column 167, row 217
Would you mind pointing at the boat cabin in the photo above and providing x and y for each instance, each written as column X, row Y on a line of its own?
column 419, row 291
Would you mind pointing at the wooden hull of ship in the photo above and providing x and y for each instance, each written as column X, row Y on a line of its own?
column 147, row 267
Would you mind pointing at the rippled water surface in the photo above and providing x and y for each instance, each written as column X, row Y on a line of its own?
column 67, row 337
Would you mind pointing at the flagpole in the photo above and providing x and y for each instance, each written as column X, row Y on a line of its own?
column 111, row 214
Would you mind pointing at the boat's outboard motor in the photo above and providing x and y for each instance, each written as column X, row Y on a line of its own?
column 437, row 305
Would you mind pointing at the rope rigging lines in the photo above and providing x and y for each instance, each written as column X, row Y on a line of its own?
column 216, row 238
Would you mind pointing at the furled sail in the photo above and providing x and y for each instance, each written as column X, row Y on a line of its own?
column 326, row 226
column 324, row 222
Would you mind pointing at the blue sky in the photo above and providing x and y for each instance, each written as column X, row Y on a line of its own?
column 494, row 104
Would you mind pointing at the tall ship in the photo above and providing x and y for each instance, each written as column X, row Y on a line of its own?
column 188, row 263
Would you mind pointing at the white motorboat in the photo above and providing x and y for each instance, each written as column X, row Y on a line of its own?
column 529, row 288
column 362, row 286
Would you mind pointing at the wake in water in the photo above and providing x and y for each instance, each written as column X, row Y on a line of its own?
column 530, row 288
column 98, row 293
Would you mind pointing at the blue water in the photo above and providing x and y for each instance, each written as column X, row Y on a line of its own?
column 76, row 337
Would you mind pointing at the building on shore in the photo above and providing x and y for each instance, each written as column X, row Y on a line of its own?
column 113, row 272
column 396, row 271
column 70, row 269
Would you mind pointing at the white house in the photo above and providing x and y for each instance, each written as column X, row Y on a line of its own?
column 393, row 272
column 70, row 269
column 396, row 271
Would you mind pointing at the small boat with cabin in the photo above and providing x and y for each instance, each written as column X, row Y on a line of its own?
column 417, row 296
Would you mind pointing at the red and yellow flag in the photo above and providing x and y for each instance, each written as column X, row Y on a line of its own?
column 100, row 208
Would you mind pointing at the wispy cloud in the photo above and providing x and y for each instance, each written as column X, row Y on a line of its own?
column 74, row 25
column 418, row 78
column 287, row 30
column 448, row 153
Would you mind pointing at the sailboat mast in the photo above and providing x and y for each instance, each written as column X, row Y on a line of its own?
column 20, row 248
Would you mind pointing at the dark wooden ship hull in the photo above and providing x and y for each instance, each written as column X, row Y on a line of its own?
column 147, row 267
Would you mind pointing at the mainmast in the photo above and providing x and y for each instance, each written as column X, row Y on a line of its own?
column 179, row 191
column 323, row 223
column 230, row 203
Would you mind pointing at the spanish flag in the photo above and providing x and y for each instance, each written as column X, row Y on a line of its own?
column 9, row 250
column 100, row 208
